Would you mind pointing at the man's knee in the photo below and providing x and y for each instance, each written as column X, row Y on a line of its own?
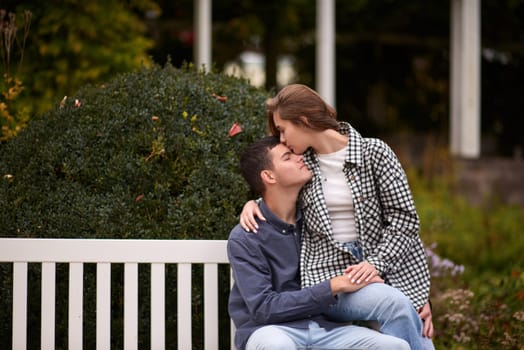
column 270, row 337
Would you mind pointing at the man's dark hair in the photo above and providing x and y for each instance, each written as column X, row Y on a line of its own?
column 255, row 159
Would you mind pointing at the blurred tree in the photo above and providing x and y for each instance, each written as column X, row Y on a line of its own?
column 392, row 58
column 73, row 43
column 270, row 27
column 13, row 117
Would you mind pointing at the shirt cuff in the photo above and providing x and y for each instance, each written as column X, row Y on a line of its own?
column 323, row 294
column 379, row 264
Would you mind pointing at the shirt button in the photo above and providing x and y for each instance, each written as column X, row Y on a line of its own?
column 352, row 177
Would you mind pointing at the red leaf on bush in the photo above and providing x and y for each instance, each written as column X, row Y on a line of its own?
column 235, row 129
column 139, row 198
column 220, row 98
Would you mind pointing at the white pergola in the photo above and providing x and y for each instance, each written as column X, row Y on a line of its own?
column 464, row 72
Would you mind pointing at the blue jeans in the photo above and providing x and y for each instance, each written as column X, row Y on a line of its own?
column 388, row 306
column 344, row 337
column 384, row 304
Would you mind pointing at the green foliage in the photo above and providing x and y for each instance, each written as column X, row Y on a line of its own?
column 13, row 114
column 74, row 42
column 486, row 237
column 482, row 308
column 145, row 156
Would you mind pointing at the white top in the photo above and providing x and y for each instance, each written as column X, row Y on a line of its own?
column 338, row 195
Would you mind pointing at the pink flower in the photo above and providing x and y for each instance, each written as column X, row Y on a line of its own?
column 78, row 103
column 235, row 129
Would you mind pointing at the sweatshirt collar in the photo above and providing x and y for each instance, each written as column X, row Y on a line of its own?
column 277, row 223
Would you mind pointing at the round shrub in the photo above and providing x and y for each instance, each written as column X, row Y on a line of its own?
column 151, row 155
column 147, row 155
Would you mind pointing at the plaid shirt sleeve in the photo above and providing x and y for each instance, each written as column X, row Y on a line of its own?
column 385, row 217
column 392, row 223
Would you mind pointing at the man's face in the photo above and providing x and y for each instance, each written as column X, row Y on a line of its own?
column 288, row 168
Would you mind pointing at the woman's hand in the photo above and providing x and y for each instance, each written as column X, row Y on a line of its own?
column 426, row 316
column 361, row 272
column 247, row 217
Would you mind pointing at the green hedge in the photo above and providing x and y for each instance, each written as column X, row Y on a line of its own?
column 147, row 155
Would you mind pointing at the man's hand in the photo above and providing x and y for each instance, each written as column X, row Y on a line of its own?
column 426, row 316
column 247, row 217
column 362, row 272
column 343, row 284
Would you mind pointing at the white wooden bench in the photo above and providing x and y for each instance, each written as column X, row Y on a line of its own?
column 104, row 252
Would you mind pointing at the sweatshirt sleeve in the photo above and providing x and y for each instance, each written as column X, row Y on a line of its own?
column 267, row 305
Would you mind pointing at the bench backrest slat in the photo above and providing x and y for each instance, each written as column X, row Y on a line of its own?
column 104, row 252
column 158, row 288
column 130, row 306
column 210, row 305
column 76, row 300
column 47, row 317
column 19, row 305
column 184, row 305
column 103, row 306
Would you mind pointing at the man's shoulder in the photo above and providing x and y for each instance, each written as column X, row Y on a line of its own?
column 264, row 231
column 237, row 232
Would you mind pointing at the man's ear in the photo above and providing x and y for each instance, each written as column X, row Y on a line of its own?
column 267, row 176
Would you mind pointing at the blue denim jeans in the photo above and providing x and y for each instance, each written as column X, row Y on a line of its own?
column 276, row 337
column 388, row 306
column 382, row 304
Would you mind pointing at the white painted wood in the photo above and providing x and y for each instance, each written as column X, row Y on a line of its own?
column 158, row 314
column 103, row 306
column 211, row 306
column 131, row 306
column 19, row 305
column 465, row 129
column 325, row 50
column 232, row 325
column 184, row 306
column 113, row 251
column 103, row 252
column 76, row 302
column 47, row 318
column 203, row 33
column 455, row 96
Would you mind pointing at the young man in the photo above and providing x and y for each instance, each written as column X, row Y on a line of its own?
column 267, row 304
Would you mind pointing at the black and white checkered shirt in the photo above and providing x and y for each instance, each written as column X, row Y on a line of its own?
column 385, row 218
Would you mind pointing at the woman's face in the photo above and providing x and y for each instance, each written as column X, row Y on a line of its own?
column 295, row 137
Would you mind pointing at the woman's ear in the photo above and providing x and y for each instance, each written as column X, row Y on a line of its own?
column 304, row 120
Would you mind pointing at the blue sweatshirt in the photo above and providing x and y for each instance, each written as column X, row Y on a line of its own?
column 267, row 286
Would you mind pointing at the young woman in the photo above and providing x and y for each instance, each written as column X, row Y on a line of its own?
column 359, row 213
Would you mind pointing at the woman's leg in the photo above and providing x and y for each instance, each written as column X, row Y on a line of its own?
column 353, row 337
column 385, row 304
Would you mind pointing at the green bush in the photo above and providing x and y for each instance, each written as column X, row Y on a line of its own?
column 475, row 256
column 146, row 156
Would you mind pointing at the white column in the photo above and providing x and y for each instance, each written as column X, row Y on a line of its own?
column 465, row 78
column 325, row 50
column 202, row 29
